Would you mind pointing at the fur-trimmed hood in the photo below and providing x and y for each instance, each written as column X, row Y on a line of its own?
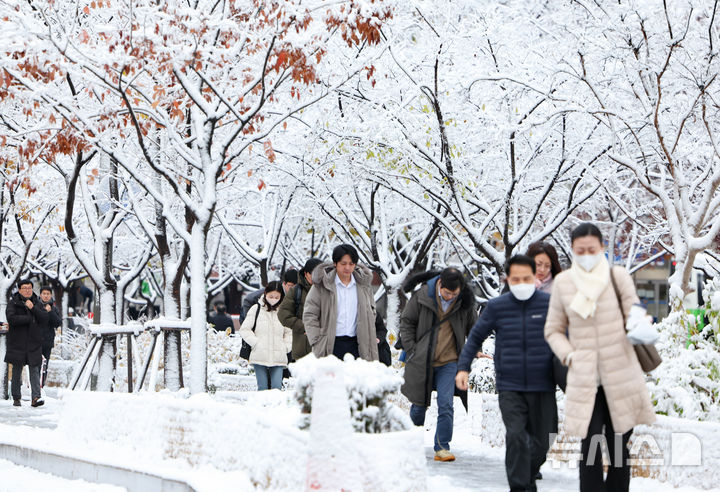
column 325, row 274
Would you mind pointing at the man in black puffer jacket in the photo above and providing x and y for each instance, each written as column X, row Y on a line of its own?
column 26, row 317
column 54, row 321
column 523, row 371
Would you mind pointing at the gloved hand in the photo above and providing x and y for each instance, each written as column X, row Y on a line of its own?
column 640, row 327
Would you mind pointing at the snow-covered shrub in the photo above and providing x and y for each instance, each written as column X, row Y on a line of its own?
column 687, row 383
column 368, row 385
column 482, row 374
column 712, row 307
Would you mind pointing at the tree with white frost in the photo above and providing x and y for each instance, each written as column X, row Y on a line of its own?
column 185, row 88
column 652, row 83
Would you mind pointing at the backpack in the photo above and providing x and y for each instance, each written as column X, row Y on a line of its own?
column 246, row 348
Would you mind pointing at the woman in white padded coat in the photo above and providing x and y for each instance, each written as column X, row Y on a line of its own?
column 269, row 339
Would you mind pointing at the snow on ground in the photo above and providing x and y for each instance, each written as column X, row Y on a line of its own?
column 21, row 479
column 478, row 466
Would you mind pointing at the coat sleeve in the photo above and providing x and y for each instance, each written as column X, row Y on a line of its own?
column 287, row 313
column 556, row 326
column 409, row 323
column 17, row 317
column 54, row 319
column 287, row 339
column 246, row 329
column 311, row 316
column 485, row 324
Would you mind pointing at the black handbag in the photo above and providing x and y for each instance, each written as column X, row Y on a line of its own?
column 246, row 348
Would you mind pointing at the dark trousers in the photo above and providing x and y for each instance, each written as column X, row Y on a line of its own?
column 16, row 382
column 346, row 345
column 46, row 354
column 591, row 466
column 530, row 418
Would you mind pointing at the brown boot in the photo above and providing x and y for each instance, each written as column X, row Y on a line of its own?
column 16, row 402
column 37, row 402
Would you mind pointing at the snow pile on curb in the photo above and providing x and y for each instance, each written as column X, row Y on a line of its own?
column 257, row 444
column 196, row 431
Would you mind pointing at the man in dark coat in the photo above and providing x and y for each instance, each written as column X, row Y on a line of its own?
column 291, row 309
column 220, row 320
column 433, row 328
column 26, row 317
column 523, row 371
column 48, row 330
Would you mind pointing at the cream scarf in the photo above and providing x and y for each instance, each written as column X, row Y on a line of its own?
column 589, row 287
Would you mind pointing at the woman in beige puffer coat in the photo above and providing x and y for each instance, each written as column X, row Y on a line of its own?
column 270, row 340
column 605, row 384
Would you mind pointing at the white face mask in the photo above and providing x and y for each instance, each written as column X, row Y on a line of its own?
column 522, row 292
column 588, row 262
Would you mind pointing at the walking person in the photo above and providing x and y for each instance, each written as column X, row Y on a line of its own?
column 292, row 306
column 26, row 317
column 547, row 265
column 523, row 371
column 220, row 320
column 339, row 314
column 606, row 394
column 269, row 339
column 433, row 329
column 48, row 329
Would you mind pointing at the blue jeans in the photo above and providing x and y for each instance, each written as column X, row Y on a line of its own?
column 265, row 374
column 444, row 384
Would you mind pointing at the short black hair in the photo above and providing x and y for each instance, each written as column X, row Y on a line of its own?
column 24, row 281
column 451, row 278
column 586, row 229
column 274, row 286
column 520, row 260
column 342, row 250
column 291, row 276
column 220, row 307
column 44, row 288
column 310, row 265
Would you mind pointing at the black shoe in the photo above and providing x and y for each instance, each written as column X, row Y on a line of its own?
column 538, row 476
column 16, row 402
column 37, row 402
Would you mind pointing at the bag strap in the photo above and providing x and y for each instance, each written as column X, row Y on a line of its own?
column 617, row 294
column 298, row 299
column 257, row 313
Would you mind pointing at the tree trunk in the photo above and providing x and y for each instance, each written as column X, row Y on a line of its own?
column 198, row 329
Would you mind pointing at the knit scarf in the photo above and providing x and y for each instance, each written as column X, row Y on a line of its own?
column 589, row 287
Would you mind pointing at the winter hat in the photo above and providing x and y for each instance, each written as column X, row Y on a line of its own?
column 311, row 264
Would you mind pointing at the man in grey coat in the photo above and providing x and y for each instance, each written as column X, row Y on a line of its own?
column 339, row 311
column 433, row 329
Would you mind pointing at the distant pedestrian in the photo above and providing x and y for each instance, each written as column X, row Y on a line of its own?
column 269, row 339
column 48, row 329
column 339, row 314
column 26, row 318
column 433, row 329
column 523, row 371
column 606, row 394
column 220, row 320
column 292, row 307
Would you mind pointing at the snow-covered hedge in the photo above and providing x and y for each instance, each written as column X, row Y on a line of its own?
column 687, row 383
column 482, row 374
column 368, row 385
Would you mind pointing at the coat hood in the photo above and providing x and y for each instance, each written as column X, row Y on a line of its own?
column 430, row 278
column 325, row 275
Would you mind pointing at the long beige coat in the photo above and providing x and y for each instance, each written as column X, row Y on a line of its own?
column 600, row 348
column 320, row 314
column 271, row 341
